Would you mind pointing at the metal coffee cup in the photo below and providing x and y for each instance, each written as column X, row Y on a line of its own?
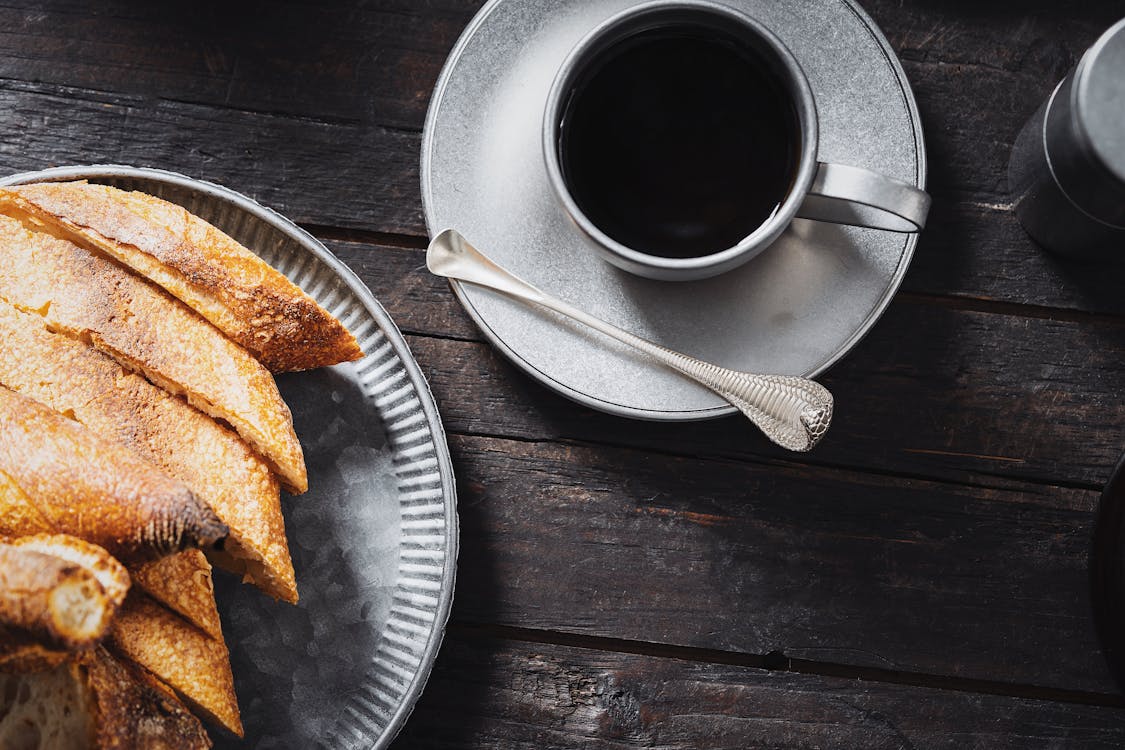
column 834, row 193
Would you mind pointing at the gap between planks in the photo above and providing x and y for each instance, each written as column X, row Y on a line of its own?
column 1004, row 483
column 366, row 237
column 778, row 662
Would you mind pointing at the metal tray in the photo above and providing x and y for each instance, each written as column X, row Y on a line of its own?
column 374, row 541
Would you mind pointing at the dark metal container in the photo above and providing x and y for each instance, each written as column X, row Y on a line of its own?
column 1067, row 169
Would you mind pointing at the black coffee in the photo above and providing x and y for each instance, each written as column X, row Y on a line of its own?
column 679, row 141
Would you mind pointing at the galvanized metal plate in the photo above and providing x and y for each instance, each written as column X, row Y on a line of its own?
column 795, row 309
column 374, row 540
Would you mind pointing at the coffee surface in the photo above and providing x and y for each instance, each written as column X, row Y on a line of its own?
column 679, row 142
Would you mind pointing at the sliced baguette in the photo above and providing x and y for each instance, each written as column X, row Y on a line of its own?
column 60, row 590
column 97, row 703
column 209, row 271
column 179, row 654
column 87, row 296
column 127, row 410
column 92, row 489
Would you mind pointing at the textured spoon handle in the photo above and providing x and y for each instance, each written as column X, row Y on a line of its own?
column 793, row 412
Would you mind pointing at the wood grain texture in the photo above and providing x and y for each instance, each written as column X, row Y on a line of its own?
column 507, row 694
column 320, row 172
column 362, row 62
column 817, row 564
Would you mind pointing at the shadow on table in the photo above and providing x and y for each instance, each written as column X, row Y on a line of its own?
column 1107, row 574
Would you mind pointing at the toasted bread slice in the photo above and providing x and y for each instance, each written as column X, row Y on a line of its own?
column 135, row 711
column 98, row 703
column 62, row 591
column 125, row 409
column 179, row 654
column 85, row 295
column 183, row 584
column 209, row 271
column 95, row 490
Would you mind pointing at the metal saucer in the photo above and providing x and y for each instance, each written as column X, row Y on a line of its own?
column 795, row 309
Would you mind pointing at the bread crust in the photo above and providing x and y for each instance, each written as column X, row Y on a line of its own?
column 180, row 655
column 181, row 582
column 135, row 711
column 95, row 702
column 85, row 295
column 21, row 653
column 197, row 263
column 95, row 490
column 60, row 590
column 69, row 376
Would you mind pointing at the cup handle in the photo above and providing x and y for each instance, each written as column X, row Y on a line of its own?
column 843, row 194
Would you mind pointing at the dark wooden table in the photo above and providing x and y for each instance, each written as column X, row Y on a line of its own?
column 921, row 579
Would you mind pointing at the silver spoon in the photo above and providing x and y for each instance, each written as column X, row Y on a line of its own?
column 793, row 412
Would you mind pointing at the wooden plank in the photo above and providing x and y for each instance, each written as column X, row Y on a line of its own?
column 372, row 63
column 819, row 564
column 506, row 694
column 980, row 251
column 315, row 172
column 932, row 391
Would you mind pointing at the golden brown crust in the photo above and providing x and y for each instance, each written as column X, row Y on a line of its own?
column 179, row 654
column 57, row 602
column 125, row 409
column 135, row 711
column 18, row 514
column 97, row 491
column 41, row 594
column 89, row 297
column 206, row 269
column 110, row 573
column 182, row 582
column 60, row 590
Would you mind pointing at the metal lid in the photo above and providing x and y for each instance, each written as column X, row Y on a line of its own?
column 1085, row 130
column 1099, row 99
